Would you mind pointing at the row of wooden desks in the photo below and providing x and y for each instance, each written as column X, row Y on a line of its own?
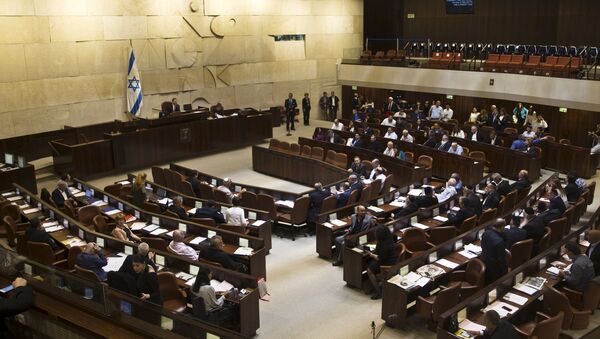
column 69, row 232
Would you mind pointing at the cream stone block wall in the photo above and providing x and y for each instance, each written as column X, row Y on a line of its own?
column 64, row 62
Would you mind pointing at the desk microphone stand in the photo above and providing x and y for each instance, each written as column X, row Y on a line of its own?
column 376, row 335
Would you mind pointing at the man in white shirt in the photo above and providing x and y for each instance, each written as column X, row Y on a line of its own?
column 448, row 192
column 529, row 133
column 235, row 214
column 455, row 148
column 337, row 125
column 447, row 113
column 389, row 150
column 435, row 112
column 178, row 247
column 374, row 165
column 406, row 137
column 227, row 189
column 389, row 121
column 390, row 134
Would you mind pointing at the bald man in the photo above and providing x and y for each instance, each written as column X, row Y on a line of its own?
column 361, row 221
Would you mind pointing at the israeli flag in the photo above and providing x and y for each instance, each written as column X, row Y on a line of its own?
column 134, row 87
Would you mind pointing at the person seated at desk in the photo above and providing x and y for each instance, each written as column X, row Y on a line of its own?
column 337, row 125
column 494, row 251
column 316, row 203
column 361, row 221
column 514, row 233
column 356, row 141
column 92, row 258
column 390, row 151
column 343, row 195
column 528, row 133
column 432, row 140
column 210, row 210
column 572, row 191
column 138, row 190
column 475, row 134
column 374, row 164
column 459, row 184
column 491, row 197
column 457, row 218
column 494, row 139
column 177, row 208
column 472, row 200
column 173, row 107
column 178, row 247
column 502, row 186
column 457, row 132
column 227, row 188
column 528, row 215
column 413, row 202
column 444, row 144
column 214, row 252
column 389, row 121
column 529, row 148
column 522, row 181
column 358, row 168
column 194, row 182
column 593, row 251
column 144, row 251
column 582, row 269
column 374, row 144
column 536, row 227
column 61, row 193
column 37, row 233
column 496, row 328
column 556, row 201
column 332, row 137
column 455, row 148
column 146, row 280
column 218, row 111
column 20, row 300
column 122, row 231
column 448, row 192
column 406, row 137
column 203, row 289
column 390, row 134
column 383, row 255
column 235, row 215
column 519, row 144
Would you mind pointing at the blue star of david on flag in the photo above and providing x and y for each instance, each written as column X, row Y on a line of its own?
column 134, row 87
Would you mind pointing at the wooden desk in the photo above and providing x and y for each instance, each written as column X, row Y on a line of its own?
column 302, row 170
column 23, row 176
column 566, row 158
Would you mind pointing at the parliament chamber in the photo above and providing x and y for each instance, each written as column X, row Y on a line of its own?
column 300, row 169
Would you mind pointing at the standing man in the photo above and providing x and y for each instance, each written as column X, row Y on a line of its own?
column 306, row 108
column 334, row 104
column 323, row 105
column 290, row 112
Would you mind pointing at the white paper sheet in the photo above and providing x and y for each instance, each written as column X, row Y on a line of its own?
column 447, row 263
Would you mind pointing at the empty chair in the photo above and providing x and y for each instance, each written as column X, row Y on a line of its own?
column 409, row 156
column 45, row 196
column 113, row 190
column 511, row 130
column 155, row 243
column 366, row 193
column 520, row 253
column 425, row 161
column 509, row 202
column 330, row 157
column 561, row 67
column 533, row 63
column 479, row 156
column 187, row 189
column 433, row 306
column 297, row 217
column 151, row 207
column 543, row 327
column 486, row 216
column 273, row 144
column 548, row 65
column 438, row 235
column 468, row 224
column 557, row 227
column 294, row 148
column 284, row 146
column 588, row 300
column 375, row 188
column 471, row 279
column 158, row 175
column 415, row 240
column 545, row 240
column 101, row 226
column 341, row 160
column 72, row 257
column 204, row 221
column 43, row 253
column 220, row 196
column 306, row 151
column 13, row 229
column 516, row 63
column 206, row 192
column 86, row 214
column 12, row 211
column 174, row 298
column 556, row 302
column 267, row 203
column 86, row 274
column 124, row 192
column 317, row 153
column 503, row 62
column 248, row 200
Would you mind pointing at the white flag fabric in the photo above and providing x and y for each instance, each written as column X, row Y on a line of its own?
column 134, row 87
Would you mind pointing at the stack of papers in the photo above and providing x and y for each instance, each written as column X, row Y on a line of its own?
column 124, row 182
column 470, row 326
column 190, row 282
column 514, row 298
column 54, row 228
column 285, row 203
column 98, row 203
column 409, row 281
column 467, row 254
column 447, row 263
column 165, row 201
column 375, row 209
column 221, row 286
column 502, row 308
column 258, row 223
column 73, row 242
column 14, row 198
column 455, row 209
column 473, row 248
column 150, row 228
column 338, row 222
column 170, row 234
column 31, row 210
column 415, row 192
column 396, row 203
column 184, row 276
column 159, row 231
column 525, row 289
column 328, row 225
column 552, row 270
column 430, row 271
column 8, row 193
column 114, row 263
column 440, row 218
column 419, row 225
column 79, row 194
column 243, row 251
column 136, row 226
column 584, row 243
column 197, row 240
column 49, row 224
column 24, row 206
column 192, row 211
column 113, row 211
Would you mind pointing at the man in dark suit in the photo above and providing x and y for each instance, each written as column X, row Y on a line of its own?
column 290, row 112
column 357, row 141
column 391, row 106
column 493, row 252
column 21, row 299
column 316, row 203
column 444, row 144
column 173, row 107
column 502, row 186
column 522, row 181
column 36, row 233
column 475, row 135
column 514, row 234
column 61, row 193
column 358, row 168
column 472, row 200
column 427, row 199
column 177, row 208
column 556, row 201
column 494, row 139
column 374, row 145
column 572, row 190
column 334, row 105
column 536, row 227
column 491, row 198
column 215, row 253
column 463, row 213
column 194, row 182
column 333, row 137
column 144, row 251
column 356, row 102
column 342, row 197
column 306, row 108
column 593, row 252
column 361, row 221
column 211, row 211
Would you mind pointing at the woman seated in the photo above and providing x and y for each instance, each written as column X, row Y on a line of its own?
column 202, row 289
column 122, row 231
column 458, row 132
column 146, row 280
column 384, row 255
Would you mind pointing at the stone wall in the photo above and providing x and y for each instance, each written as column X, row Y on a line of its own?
column 64, row 62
